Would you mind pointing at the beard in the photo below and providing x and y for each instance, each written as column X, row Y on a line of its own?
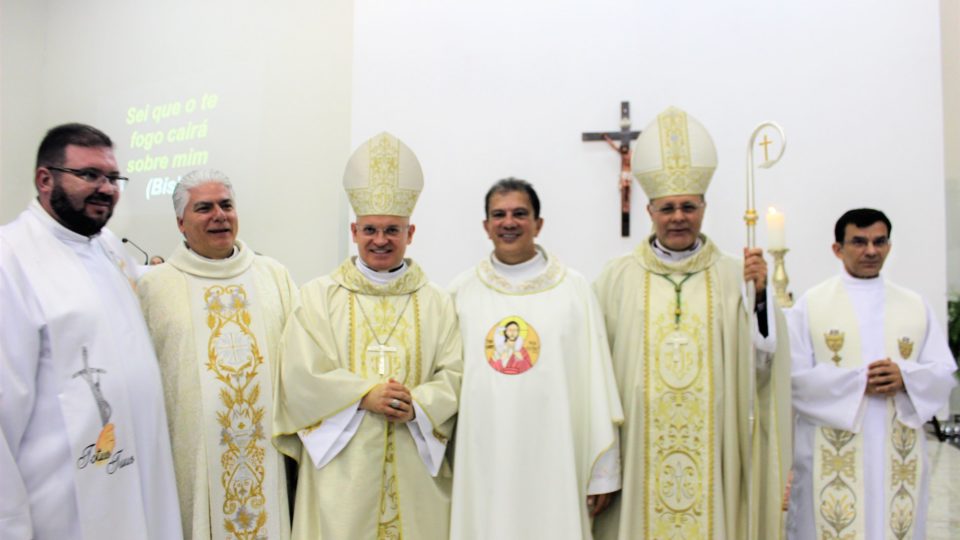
column 74, row 218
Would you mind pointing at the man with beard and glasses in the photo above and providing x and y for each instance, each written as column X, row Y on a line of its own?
column 84, row 449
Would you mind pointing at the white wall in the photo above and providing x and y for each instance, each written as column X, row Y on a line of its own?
column 484, row 90
column 950, row 37
column 277, row 85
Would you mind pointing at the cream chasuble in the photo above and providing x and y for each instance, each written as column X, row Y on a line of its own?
column 860, row 464
column 539, row 405
column 217, row 327
column 349, row 335
column 682, row 341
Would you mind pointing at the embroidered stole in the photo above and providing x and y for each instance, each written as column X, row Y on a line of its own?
column 402, row 361
column 680, row 443
column 236, row 385
column 838, row 455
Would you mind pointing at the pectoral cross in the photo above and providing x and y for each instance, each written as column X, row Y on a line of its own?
column 382, row 350
column 677, row 341
column 623, row 138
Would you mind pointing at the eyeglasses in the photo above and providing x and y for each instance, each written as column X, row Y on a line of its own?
column 687, row 208
column 860, row 242
column 390, row 231
column 93, row 176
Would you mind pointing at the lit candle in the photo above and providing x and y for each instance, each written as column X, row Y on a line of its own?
column 776, row 239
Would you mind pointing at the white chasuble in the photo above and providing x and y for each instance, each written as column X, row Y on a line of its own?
column 217, row 326
column 347, row 336
column 682, row 346
column 539, row 406
column 838, row 458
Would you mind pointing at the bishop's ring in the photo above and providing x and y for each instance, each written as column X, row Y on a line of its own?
column 395, row 403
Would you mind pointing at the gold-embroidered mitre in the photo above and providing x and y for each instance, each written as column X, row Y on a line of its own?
column 383, row 178
column 674, row 155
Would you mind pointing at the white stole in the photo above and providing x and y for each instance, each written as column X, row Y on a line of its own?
column 93, row 391
column 236, row 385
column 838, row 455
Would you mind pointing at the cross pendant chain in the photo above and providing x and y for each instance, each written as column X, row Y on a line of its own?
column 381, row 347
column 678, row 288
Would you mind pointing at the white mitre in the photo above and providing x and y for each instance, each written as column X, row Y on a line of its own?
column 383, row 178
column 674, row 155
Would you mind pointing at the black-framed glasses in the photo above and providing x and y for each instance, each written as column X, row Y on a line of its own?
column 93, row 176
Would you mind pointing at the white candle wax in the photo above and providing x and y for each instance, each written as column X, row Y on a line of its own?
column 776, row 239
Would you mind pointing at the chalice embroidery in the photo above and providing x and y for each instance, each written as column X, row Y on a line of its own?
column 905, row 345
column 834, row 339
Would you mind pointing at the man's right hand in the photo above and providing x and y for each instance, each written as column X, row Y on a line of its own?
column 391, row 399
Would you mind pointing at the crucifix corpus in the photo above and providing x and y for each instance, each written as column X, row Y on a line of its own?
column 620, row 141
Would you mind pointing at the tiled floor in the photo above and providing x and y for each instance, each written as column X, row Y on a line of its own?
column 943, row 520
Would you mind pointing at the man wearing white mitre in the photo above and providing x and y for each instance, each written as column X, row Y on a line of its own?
column 870, row 366
column 84, row 452
column 693, row 359
column 370, row 372
column 537, row 453
column 216, row 311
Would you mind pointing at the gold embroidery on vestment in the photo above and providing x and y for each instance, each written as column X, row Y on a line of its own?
column 678, row 458
column 234, row 359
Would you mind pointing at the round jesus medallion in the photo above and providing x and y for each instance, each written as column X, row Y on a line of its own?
column 512, row 346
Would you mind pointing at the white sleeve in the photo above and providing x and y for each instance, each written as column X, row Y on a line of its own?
column 762, row 344
column 326, row 441
column 606, row 475
column 21, row 346
column 827, row 395
column 928, row 381
column 430, row 448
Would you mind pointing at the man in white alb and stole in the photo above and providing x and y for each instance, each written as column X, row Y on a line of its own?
column 687, row 349
column 84, row 450
column 216, row 311
column 537, row 453
column 370, row 372
column 870, row 366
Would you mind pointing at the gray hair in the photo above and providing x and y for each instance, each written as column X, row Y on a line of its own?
column 181, row 193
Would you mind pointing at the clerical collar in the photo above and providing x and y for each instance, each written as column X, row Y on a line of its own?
column 233, row 254
column 668, row 255
column 520, row 272
column 863, row 283
column 57, row 228
column 381, row 278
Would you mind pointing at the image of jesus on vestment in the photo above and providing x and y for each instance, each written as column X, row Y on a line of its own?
column 512, row 346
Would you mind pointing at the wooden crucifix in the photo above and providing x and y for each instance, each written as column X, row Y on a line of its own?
column 620, row 141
